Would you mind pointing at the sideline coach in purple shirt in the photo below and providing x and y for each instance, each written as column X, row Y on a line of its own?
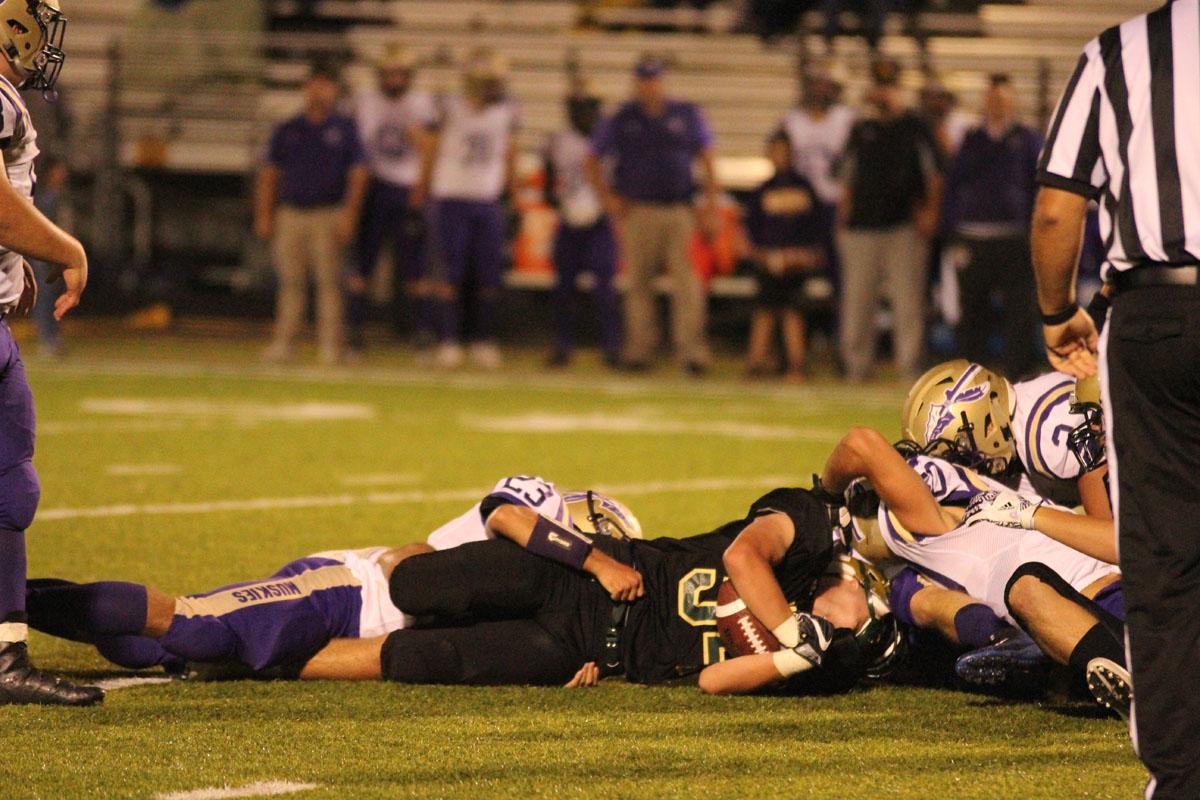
column 308, row 198
column 651, row 145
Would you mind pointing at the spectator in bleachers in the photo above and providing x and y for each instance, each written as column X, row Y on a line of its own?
column 471, row 166
column 817, row 131
column 308, row 198
column 892, row 181
column 654, row 142
column 50, row 198
column 987, row 207
column 786, row 243
column 584, row 241
column 872, row 14
column 395, row 122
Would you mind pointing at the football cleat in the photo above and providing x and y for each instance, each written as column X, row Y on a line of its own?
column 1110, row 685
column 22, row 684
column 1012, row 662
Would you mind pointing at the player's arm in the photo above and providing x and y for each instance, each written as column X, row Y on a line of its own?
column 1089, row 535
column 740, row 675
column 546, row 538
column 25, row 230
column 708, row 182
column 1093, row 493
column 266, row 193
column 864, row 453
column 749, row 563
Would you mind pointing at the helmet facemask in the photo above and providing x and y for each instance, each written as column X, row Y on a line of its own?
column 600, row 515
column 41, row 65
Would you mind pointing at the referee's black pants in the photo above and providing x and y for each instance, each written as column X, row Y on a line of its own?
column 493, row 613
column 1152, row 359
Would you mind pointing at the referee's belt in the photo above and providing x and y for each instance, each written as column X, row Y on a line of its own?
column 612, row 639
column 1142, row 276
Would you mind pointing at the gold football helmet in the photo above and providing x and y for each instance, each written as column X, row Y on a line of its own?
column 1086, row 439
column 31, row 36
column 960, row 408
column 598, row 514
column 396, row 58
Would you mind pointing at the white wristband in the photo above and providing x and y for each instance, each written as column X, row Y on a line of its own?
column 788, row 632
column 790, row 663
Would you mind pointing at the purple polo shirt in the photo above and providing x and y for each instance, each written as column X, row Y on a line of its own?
column 653, row 156
column 314, row 159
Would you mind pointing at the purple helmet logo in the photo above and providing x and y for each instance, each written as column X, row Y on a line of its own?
column 941, row 415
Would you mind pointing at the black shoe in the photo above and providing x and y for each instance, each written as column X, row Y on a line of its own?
column 635, row 367
column 22, row 684
column 697, row 369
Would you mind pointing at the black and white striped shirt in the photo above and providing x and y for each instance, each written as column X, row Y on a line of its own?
column 1127, row 133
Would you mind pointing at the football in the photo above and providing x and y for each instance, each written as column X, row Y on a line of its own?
column 741, row 632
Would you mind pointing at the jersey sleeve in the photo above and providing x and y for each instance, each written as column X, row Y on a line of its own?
column 948, row 483
column 1046, row 448
column 10, row 115
column 1071, row 158
column 529, row 491
column 811, row 550
column 275, row 148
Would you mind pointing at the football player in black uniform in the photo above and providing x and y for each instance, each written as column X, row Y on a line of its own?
column 531, row 607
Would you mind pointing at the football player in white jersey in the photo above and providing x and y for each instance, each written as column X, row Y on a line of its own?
column 31, row 43
column 1070, row 603
column 470, row 168
column 817, row 131
column 395, row 121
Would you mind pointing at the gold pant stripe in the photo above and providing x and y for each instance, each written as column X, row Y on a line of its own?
column 272, row 590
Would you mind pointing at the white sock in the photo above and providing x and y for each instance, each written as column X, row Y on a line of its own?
column 788, row 632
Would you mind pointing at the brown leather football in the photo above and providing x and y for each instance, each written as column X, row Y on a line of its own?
column 740, row 631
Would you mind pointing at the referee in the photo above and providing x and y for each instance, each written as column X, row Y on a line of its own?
column 1127, row 133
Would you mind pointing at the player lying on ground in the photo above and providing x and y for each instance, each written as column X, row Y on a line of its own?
column 279, row 622
column 1070, row 603
column 525, row 610
column 1043, row 436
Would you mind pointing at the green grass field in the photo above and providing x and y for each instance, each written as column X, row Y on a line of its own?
column 184, row 464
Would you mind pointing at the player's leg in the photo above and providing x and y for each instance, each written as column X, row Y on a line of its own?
column 568, row 259
column 487, row 254
column 378, row 221
column 410, row 279
column 1068, row 627
column 602, row 260
column 447, row 246
column 288, row 249
column 689, row 301
column 328, row 265
column 488, row 579
column 794, row 341
column 762, row 329
column 19, row 495
column 505, row 652
column 975, row 283
column 641, row 248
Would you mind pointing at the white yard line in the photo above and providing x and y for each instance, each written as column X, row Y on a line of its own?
column 137, row 470
column 257, row 789
column 653, row 424
column 880, row 397
column 112, row 426
column 234, row 409
column 386, row 498
column 110, row 684
column 380, row 479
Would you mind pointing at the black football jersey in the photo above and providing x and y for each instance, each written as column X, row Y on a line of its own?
column 672, row 631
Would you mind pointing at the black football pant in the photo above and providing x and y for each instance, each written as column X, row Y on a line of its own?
column 492, row 613
column 1151, row 355
column 999, row 266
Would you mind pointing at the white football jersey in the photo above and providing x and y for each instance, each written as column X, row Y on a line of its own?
column 472, row 159
column 1041, row 426
column 385, row 125
column 817, row 147
column 18, row 145
column 540, row 495
column 378, row 615
column 980, row 559
column 568, row 152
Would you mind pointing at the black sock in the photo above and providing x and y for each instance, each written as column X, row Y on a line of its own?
column 1098, row 642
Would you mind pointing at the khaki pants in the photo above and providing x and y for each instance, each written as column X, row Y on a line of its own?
column 306, row 240
column 894, row 260
column 653, row 236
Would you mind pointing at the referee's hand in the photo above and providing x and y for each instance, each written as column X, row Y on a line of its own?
column 1071, row 346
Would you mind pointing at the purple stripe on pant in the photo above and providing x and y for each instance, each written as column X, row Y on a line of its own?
column 1112, row 599
column 19, row 487
column 577, row 250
